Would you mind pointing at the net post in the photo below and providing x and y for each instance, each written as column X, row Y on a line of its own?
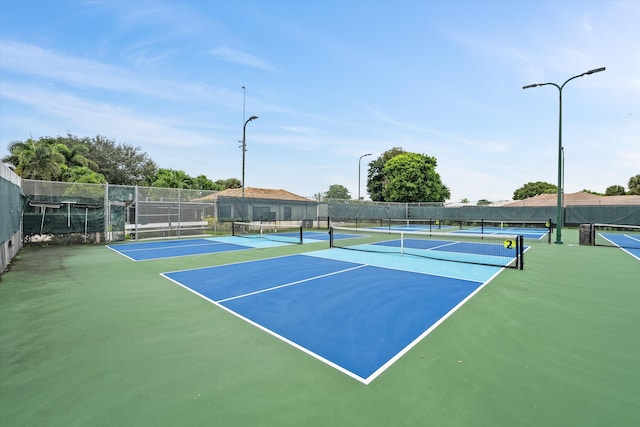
column 520, row 250
column 331, row 237
column 233, row 228
column 301, row 239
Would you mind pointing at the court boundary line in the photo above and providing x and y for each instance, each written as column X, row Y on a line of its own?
column 620, row 247
column 422, row 336
column 272, row 333
column 426, row 259
column 210, row 243
column 445, row 244
column 297, row 282
column 384, row 366
column 214, row 243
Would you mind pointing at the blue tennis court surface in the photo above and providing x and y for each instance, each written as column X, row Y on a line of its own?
column 175, row 248
column 630, row 243
column 185, row 247
column 528, row 233
column 357, row 312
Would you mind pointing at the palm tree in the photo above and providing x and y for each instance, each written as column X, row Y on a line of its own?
column 76, row 155
column 36, row 160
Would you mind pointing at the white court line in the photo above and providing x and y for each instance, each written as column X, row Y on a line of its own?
column 292, row 283
column 211, row 243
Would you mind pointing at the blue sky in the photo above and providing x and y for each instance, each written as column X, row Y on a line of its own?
column 331, row 81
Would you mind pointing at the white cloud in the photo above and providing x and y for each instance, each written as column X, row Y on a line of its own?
column 229, row 55
column 121, row 123
column 27, row 60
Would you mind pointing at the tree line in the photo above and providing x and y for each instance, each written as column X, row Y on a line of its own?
column 532, row 189
column 100, row 160
column 394, row 176
column 399, row 176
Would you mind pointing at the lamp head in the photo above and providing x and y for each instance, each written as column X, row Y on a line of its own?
column 596, row 70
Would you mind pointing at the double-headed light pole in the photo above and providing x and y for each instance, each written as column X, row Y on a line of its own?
column 560, row 148
column 364, row 155
column 244, row 147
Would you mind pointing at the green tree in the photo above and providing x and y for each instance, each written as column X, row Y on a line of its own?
column 201, row 182
column 532, row 189
column 121, row 164
column 584, row 190
column 223, row 184
column 337, row 191
column 35, row 160
column 82, row 174
column 634, row 185
column 376, row 180
column 614, row 190
column 412, row 177
column 170, row 178
column 483, row 202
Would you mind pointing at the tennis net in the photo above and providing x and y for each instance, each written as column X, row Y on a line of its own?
column 275, row 232
column 622, row 236
column 485, row 249
column 413, row 224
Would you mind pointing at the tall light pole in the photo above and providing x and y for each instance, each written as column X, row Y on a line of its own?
column 560, row 149
column 364, row 155
column 244, row 99
column 244, row 147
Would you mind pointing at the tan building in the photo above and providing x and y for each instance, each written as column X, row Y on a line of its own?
column 256, row 193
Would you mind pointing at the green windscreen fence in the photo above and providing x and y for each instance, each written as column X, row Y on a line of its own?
column 345, row 211
column 11, row 203
column 266, row 210
column 71, row 212
column 94, row 213
column 627, row 215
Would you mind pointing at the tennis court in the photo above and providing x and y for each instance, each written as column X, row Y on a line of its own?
column 528, row 229
column 356, row 312
column 176, row 248
column 628, row 242
column 144, row 251
column 527, row 232
column 91, row 338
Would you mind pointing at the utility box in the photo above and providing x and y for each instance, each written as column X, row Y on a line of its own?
column 586, row 234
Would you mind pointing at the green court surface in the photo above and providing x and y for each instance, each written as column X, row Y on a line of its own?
column 89, row 338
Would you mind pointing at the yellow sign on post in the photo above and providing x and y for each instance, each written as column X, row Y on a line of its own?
column 509, row 244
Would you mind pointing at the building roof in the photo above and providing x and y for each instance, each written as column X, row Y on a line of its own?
column 577, row 199
column 256, row 193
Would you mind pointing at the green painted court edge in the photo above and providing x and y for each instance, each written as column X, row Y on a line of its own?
column 90, row 338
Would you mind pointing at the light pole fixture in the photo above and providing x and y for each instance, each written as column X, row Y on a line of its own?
column 244, row 147
column 364, row 155
column 560, row 148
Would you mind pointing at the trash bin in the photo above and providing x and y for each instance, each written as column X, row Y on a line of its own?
column 586, row 234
